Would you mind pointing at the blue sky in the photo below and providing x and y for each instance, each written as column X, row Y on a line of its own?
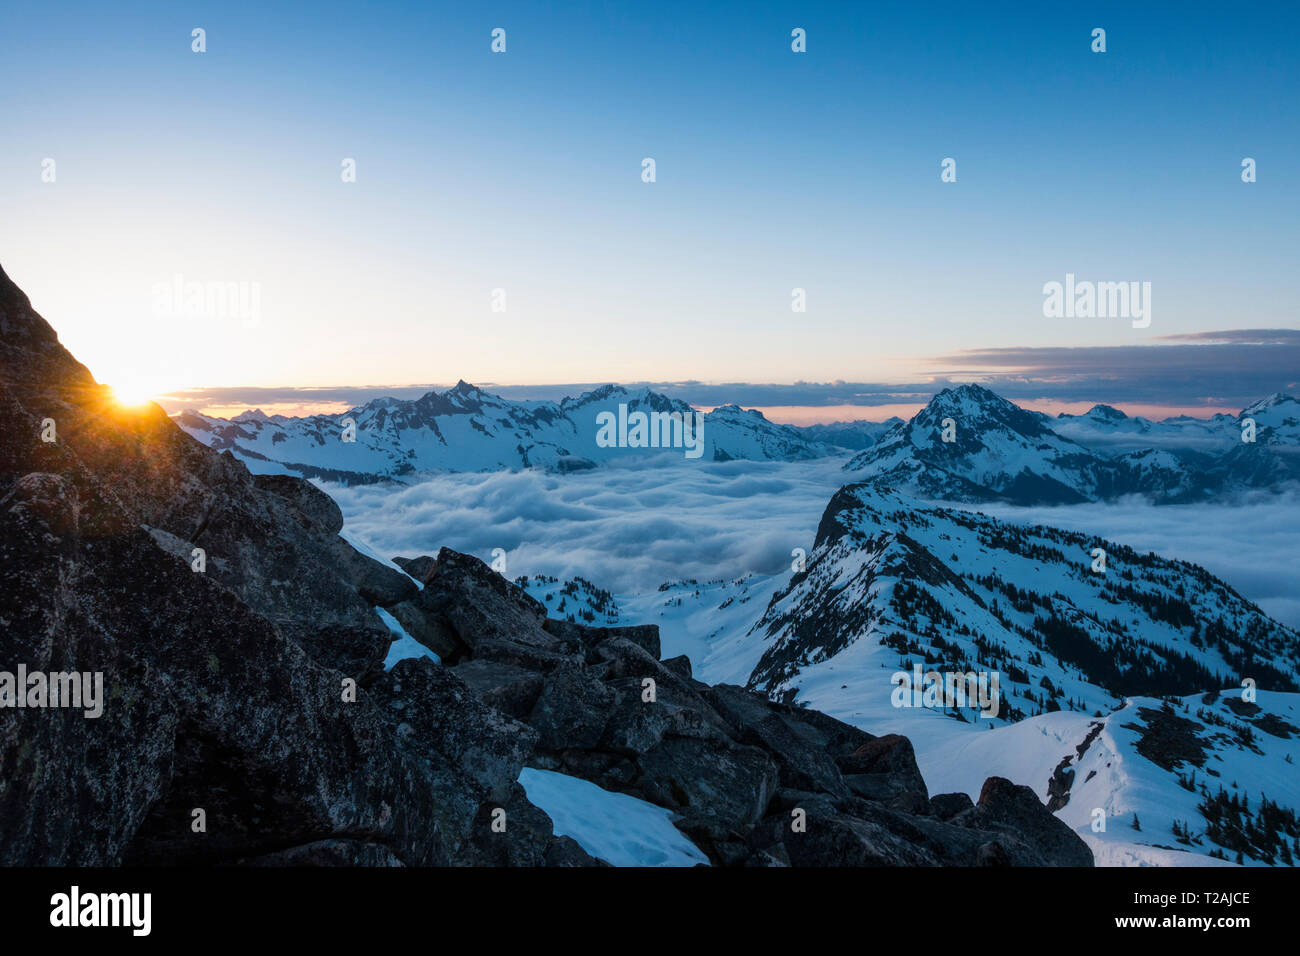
column 521, row 171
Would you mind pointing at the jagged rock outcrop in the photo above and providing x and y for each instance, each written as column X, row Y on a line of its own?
column 734, row 767
column 223, row 670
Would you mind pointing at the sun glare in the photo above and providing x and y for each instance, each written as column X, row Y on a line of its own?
column 133, row 393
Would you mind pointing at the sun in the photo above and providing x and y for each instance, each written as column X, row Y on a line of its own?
column 134, row 392
column 135, row 386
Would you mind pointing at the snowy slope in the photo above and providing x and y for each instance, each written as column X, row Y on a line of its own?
column 891, row 581
column 576, row 599
column 1082, row 658
column 1081, row 765
column 1277, row 419
column 1199, row 773
column 709, row 621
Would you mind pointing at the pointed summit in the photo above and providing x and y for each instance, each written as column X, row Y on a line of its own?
column 595, row 395
column 975, row 390
column 969, row 400
column 977, row 410
column 970, row 392
column 464, row 397
column 1106, row 413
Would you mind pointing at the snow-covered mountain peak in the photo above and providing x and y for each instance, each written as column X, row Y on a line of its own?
column 1104, row 413
column 596, row 396
column 735, row 411
column 1273, row 401
column 970, row 445
column 969, row 399
column 978, row 416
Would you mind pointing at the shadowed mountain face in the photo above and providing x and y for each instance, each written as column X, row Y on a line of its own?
column 244, row 686
column 223, row 688
column 971, row 445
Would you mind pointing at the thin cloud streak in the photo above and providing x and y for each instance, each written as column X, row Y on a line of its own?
column 1218, row 374
column 1207, row 371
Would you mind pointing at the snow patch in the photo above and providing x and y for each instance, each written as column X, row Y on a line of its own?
column 613, row 827
column 404, row 645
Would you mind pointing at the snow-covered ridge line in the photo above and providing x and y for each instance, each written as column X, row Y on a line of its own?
column 467, row 429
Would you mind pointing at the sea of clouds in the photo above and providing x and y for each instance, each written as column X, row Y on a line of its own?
column 633, row 525
column 628, row 526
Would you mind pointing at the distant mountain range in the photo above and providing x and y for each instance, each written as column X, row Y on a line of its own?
column 467, row 429
column 998, row 451
column 969, row 444
column 854, row 435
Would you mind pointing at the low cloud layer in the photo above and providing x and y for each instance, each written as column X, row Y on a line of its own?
column 627, row 528
column 1118, row 442
column 1249, row 543
column 630, row 528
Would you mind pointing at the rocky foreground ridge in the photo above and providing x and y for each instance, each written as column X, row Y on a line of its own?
column 226, row 688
